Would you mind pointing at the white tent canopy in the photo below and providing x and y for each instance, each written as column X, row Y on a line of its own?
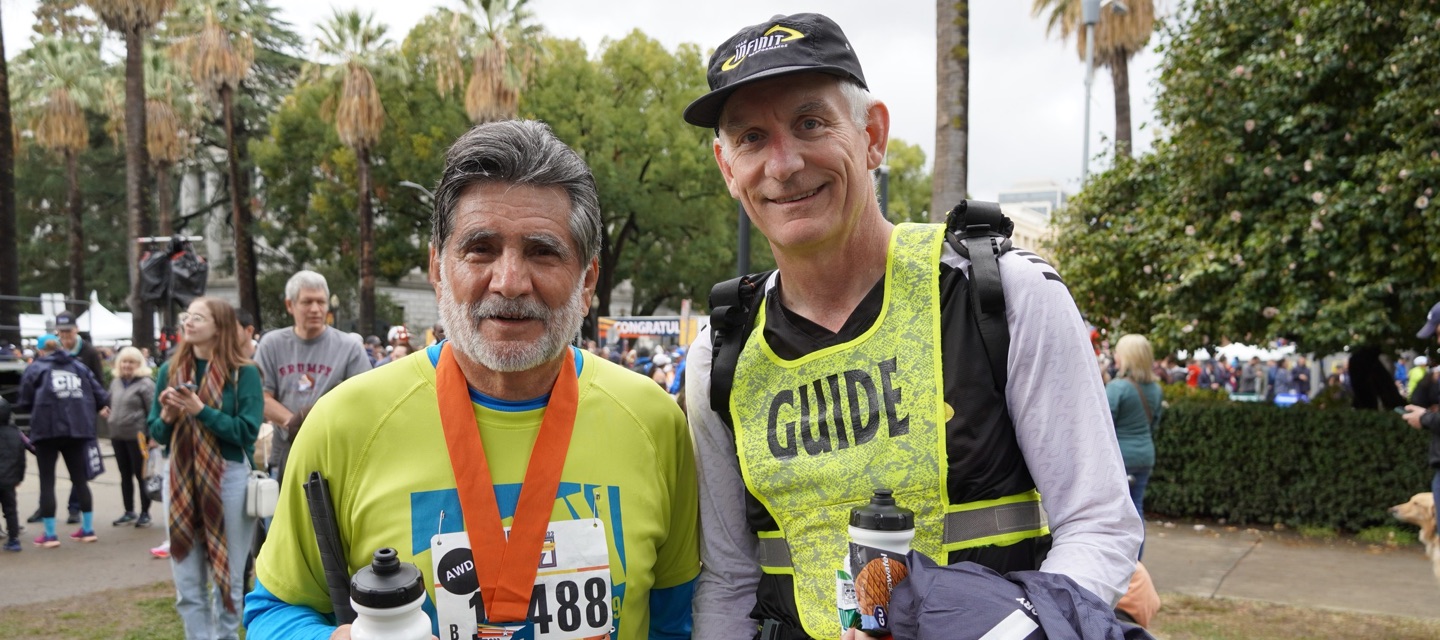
column 105, row 327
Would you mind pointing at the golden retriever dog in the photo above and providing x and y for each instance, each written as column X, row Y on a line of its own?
column 1420, row 511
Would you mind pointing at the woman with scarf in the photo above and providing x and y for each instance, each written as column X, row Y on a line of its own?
column 208, row 414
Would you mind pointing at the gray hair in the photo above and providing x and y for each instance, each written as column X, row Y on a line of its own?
column 519, row 152
column 305, row 279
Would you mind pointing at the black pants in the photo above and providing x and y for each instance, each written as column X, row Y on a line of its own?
column 131, row 463
column 74, row 502
column 73, row 450
column 7, row 504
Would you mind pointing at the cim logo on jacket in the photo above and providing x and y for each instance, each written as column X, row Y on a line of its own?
column 66, row 385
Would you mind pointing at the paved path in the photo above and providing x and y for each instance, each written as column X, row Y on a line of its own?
column 1245, row 563
column 1211, row 562
column 120, row 558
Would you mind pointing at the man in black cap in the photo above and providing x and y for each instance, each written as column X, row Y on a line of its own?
column 861, row 372
column 79, row 349
column 1420, row 417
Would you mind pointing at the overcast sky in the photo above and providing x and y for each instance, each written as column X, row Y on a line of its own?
column 1027, row 94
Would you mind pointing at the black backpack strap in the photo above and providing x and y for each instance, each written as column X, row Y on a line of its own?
column 733, row 304
column 980, row 232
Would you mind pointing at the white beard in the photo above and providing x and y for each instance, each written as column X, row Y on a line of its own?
column 462, row 328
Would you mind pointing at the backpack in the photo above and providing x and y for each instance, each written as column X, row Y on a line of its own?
column 975, row 230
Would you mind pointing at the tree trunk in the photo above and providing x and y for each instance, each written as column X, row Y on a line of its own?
column 77, row 227
column 165, row 200
column 242, row 151
column 137, row 184
column 240, row 214
column 367, row 246
column 1120, row 77
column 9, row 240
column 952, row 105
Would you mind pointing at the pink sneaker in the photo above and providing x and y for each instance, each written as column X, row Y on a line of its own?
column 161, row 552
column 82, row 535
column 48, row 542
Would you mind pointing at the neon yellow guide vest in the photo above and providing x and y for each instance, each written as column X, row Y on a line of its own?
column 816, row 435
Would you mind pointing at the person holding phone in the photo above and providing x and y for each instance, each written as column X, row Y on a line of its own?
column 207, row 415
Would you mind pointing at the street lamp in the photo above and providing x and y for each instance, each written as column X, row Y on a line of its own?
column 1090, row 13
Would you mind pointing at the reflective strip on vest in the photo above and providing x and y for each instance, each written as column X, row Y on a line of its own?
column 1001, row 522
column 990, row 523
column 816, row 435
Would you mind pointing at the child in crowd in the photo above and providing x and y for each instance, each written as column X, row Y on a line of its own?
column 12, row 472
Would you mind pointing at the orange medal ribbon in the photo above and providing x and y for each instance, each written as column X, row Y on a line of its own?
column 506, row 569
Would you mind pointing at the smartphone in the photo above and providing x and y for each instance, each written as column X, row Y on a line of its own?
column 188, row 386
column 1401, row 410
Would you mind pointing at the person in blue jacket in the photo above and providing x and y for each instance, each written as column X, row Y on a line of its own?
column 62, row 397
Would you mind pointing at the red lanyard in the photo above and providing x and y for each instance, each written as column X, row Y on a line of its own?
column 506, row 569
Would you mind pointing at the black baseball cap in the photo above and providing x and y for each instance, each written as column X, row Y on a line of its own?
column 1431, row 321
column 782, row 45
column 64, row 320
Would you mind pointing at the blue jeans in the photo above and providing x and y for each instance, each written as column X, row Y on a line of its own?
column 1139, row 478
column 199, row 603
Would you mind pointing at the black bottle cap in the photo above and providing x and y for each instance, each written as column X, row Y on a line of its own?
column 882, row 514
column 387, row 582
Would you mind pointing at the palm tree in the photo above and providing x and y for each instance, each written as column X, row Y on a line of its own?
column 500, row 43
column 54, row 82
column 134, row 19
column 9, row 238
column 362, row 51
column 170, row 118
column 952, row 105
column 1119, row 35
column 218, row 51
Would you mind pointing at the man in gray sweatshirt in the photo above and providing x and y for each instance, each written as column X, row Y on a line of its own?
column 301, row 363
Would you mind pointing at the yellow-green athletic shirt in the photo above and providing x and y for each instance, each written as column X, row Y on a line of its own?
column 377, row 439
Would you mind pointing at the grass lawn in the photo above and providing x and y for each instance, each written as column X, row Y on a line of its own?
column 148, row 613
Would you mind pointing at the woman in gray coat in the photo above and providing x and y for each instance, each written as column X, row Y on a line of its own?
column 131, row 393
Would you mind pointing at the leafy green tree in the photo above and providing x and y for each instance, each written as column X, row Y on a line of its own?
column 668, row 219
column 134, row 19
column 909, row 182
column 9, row 239
column 172, row 113
column 41, row 188
column 54, row 83
column 497, row 39
column 312, row 181
column 362, row 51
column 1291, row 195
column 234, row 52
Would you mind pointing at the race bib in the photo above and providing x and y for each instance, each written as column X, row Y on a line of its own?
column 571, row 598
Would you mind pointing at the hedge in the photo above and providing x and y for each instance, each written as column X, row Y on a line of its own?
column 1254, row 463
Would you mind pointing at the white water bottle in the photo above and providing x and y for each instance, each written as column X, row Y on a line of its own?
column 880, row 536
column 387, row 596
column 882, row 524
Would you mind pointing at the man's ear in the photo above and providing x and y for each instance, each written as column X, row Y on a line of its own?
column 434, row 275
column 725, row 170
column 591, row 278
column 878, row 130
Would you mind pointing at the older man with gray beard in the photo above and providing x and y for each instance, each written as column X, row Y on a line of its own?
column 504, row 426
